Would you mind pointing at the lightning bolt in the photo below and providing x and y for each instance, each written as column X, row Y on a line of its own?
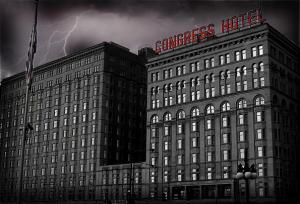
column 50, row 43
column 69, row 34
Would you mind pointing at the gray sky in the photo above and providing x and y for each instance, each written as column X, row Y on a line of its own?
column 65, row 26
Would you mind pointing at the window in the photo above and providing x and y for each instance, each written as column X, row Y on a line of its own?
column 194, row 175
column 238, row 86
column 241, row 119
column 208, row 124
column 153, row 161
column 167, row 130
column 166, row 160
column 154, row 119
column 225, row 138
column 260, row 167
column 244, row 54
column 194, row 158
column 262, row 81
column 225, row 155
column 254, row 51
column 259, row 100
column 195, row 112
column 260, row 134
column 194, row 142
column 179, row 159
column 237, row 56
column 225, row 107
column 222, row 59
column 260, row 50
column 206, row 63
column 166, row 145
column 242, row 153
column 179, row 144
column 225, row 121
column 210, row 109
column 242, row 103
column 226, row 172
column 209, row 156
column 241, row 135
column 259, row 116
column 194, row 126
column 209, row 173
column 260, row 151
column 179, row 175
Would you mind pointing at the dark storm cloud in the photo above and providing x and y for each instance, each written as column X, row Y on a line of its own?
column 71, row 25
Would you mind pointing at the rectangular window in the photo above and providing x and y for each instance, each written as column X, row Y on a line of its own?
column 254, row 51
column 166, row 146
column 241, row 136
column 179, row 144
column 208, row 124
column 255, row 83
column 225, row 121
column 225, row 155
column 260, row 151
column 194, row 142
column 225, row 138
column 260, row 134
column 260, row 50
column 179, row 159
column 166, row 160
column 238, row 86
column 209, row 173
column 207, row 93
column 242, row 153
column 194, row 158
column 244, row 54
column 194, row 126
column 245, row 87
column 237, row 56
column 209, row 156
column 222, row 59
column 262, row 81
column 225, row 172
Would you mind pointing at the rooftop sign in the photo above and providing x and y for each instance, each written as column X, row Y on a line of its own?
column 197, row 35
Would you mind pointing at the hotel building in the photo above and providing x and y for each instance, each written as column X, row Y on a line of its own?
column 210, row 103
column 87, row 110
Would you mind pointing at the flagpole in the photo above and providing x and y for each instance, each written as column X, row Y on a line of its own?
column 28, row 76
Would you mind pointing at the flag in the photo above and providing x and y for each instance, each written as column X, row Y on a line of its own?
column 31, row 50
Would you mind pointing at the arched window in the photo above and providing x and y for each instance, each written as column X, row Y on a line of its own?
column 183, row 84
column 242, row 103
column 168, row 117
column 238, row 72
column 259, row 100
column 222, row 75
column 181, row 114
column 195, row 112
column 206, row 78
column 152, row 91
column 225, row 106
column 192, row 82
column 178, row 85
column 210, row 109
column 166, row 88
column 244, row 69
column 254, row 67
column 197, row 81
column 227, row 74
column 170, row 87
column 261, row 67
column 212, row 78
column 157, row 90
column 154, row 119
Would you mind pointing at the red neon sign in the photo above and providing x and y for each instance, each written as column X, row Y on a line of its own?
column 204, row 32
